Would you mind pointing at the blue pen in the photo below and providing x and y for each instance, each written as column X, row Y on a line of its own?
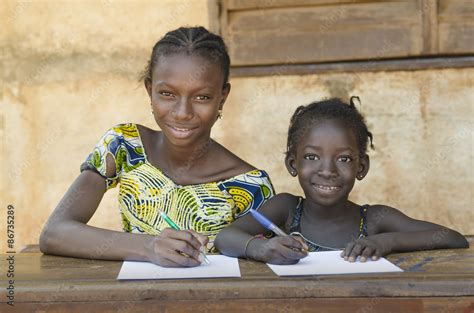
column 267, row 223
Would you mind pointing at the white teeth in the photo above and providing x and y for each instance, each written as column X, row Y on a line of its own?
column 181, row 129
column 327, row 187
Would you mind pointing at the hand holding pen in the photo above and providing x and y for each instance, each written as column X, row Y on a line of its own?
column 202, row 256
column 283, row 249
column 176, row 248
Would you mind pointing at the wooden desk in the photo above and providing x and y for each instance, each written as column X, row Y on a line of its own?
column 434, row 281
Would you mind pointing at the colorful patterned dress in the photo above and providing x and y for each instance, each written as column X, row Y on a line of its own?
column 145, row 189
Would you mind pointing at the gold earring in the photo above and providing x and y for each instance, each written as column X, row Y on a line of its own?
column 219, row 115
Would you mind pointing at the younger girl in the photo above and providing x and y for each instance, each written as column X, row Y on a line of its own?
column 327, row 143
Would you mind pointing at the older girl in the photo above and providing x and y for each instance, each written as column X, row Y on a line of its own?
column 179, row 170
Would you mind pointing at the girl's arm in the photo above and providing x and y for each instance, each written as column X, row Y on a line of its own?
column 392, row 231
column 238, row 239
column 67, row 234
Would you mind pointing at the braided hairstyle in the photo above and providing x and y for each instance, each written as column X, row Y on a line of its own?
column 191, row 41
column 331, row 109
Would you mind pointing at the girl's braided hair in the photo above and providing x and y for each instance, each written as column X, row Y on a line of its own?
column 191, row 41
column 331, row 109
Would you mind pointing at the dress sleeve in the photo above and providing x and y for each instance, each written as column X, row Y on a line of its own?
column 249, row 191
column 111, row 143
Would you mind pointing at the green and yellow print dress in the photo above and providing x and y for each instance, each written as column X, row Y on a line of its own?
column 144, row 190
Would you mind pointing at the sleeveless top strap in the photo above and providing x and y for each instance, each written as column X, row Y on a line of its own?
column 295, row 227
column 363, row 221
column 295, row 224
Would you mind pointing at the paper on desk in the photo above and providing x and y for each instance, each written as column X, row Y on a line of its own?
column 330, row 262
column 220, row 266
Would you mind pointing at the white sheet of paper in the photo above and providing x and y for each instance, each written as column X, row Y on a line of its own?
column 220, row 266
column 330, row 262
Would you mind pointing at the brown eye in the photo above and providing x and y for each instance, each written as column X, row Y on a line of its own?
column 165, row 94
column 345, row 159
column 311, row 157
column 202, row 98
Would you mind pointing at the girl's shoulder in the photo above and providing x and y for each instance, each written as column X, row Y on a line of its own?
column 122, row 134
column 223, row 165
column 126, row 135
column 380, row 212
column 145, row 131
column 127, row 130
column 287, row 199
column 119, row 149
column 119, row 137
column 287, row 204
column 146, row 134
column 280, row 208
column 282, row 202
column 381, row 217
column 232, row 164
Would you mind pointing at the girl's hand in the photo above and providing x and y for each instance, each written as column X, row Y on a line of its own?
column 177, row 248
column 201, row 238
column 278, row 250
column 372, row 247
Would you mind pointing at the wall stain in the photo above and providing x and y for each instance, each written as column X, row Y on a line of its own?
column 340, row 86
column 424, row 93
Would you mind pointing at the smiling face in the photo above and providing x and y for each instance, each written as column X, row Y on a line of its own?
column 327, row 162
column 186, row 95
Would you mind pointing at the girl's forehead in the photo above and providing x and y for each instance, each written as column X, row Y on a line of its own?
column 190, row 69
column 329, row 132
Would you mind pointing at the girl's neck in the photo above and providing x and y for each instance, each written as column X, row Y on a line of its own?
column 314, row 212
column 184, row 156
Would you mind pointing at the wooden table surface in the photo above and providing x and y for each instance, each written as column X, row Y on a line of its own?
column 433, row 281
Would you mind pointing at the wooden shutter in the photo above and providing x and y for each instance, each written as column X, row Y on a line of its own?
column 271, row 32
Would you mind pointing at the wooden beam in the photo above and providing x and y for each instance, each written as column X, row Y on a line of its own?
column 223, row 14
column 214, row 10
column 429, row 17
column 412, row 64
column 236, row 5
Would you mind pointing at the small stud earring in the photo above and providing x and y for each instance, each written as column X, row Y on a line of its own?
column 219, row 115
column 152, row 113
column 293, row 173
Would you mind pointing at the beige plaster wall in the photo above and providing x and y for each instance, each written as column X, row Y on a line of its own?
column 68, row 71
column 422, row 122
